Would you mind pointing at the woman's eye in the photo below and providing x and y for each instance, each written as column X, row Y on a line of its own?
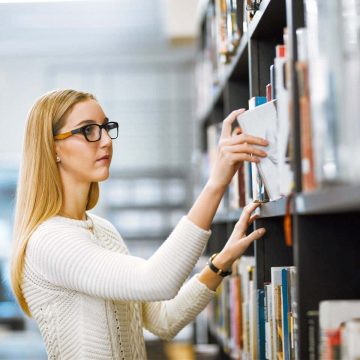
column 90, row 129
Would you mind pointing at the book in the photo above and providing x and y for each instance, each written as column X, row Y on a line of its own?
column 279, row 311
column 262, row 122
column 293, row 316
column 258, row 189
column 237, row 188
column 285, row 286
column 260, row 297
column 350, row 338
column 282, row 103
column 235, row 316
column 332, row 314
column 269, row 349
column 334, row 79
column 312, row 318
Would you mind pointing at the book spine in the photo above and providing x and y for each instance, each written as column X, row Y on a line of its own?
column 285, row 314
column 261, row 324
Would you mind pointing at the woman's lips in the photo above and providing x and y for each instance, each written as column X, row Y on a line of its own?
column 104, row 160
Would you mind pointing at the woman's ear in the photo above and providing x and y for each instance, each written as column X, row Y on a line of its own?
column 57, row 151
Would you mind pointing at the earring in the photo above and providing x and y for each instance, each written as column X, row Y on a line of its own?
column 57, row 159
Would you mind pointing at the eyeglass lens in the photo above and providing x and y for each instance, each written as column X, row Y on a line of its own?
column 93, row 131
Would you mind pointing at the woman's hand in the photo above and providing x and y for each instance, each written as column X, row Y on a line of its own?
column 234, row 248
column 232, row 150
column 238, row 241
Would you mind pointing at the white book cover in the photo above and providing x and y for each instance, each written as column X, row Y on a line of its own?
column 262, row 122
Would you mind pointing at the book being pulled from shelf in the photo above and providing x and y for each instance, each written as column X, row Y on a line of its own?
column 259, row 192
column 262, row 122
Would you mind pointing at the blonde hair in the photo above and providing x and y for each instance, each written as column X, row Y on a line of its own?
column 39, row 193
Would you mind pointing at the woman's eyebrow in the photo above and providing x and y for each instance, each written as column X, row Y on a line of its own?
column 84, row 122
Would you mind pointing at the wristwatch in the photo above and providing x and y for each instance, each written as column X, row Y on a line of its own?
column 215, row 269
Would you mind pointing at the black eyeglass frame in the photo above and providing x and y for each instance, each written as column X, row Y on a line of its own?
column 82, row 130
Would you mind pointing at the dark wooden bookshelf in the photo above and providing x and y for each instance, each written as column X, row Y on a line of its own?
column 333, row 199
column 325, row 222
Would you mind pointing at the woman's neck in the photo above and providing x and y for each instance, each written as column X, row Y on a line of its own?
column 75, row 199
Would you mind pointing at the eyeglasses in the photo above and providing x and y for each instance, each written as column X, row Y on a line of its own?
column 92, row 132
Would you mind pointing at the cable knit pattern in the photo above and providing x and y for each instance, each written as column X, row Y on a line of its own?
column 91, row 299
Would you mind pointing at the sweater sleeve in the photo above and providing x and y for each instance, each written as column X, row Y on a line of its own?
column 166, row 318
column 66, row 257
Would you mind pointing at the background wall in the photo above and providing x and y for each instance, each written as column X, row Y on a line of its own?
column 120, row 51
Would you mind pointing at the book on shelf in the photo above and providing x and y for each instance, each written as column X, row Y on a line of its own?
column 282, row 289
column 228, row 30
column 334, row 315
column 350, row 338
column 312, row 320
column 256, row 323
column 237, row 185
column 334, row 81
column 222, row 28
column 302, row 69
column 260, row 300
column 282, row 102
column 235, row 313
column 269, row 353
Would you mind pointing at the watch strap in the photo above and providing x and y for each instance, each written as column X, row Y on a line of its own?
column 215, row 269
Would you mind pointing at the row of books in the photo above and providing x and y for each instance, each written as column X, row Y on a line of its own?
column 334, row 88
column 328, row 80
column 225, row 22
column 267, row 117
column 256, row 323
column 260, row 323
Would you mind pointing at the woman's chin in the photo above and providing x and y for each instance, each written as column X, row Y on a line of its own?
column 102, row 175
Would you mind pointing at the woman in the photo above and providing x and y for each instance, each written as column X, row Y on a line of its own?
column 71, row 270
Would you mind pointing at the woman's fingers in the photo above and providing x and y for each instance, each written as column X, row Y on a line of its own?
column 226, row 127
column 245, row 138
column 255, row 235
column 237, row 157
column 245, row 148
column 246, row 217
column 253, row 218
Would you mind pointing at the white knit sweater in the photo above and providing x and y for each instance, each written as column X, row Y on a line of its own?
column 91, row 299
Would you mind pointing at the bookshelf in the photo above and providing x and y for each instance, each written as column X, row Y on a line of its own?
column 325, row 222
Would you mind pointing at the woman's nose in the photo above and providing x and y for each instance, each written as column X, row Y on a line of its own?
column 105, row 137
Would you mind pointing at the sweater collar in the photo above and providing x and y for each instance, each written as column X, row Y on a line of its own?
column 86, row 224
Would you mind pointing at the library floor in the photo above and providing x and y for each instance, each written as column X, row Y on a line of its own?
column 181, row 351
column 27, row 345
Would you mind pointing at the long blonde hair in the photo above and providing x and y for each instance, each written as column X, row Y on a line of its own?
column 39, row 193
